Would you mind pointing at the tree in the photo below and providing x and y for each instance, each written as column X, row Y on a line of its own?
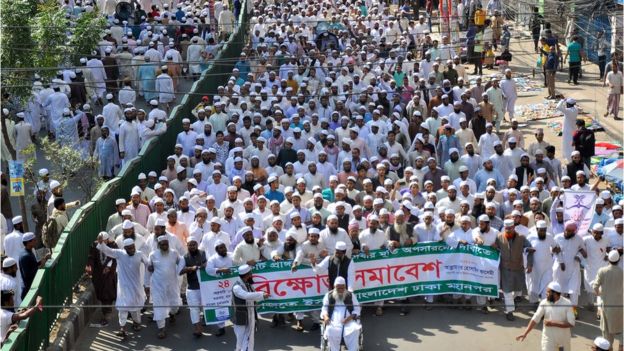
column 68, row 166
column 85, row 34
column 49, row 32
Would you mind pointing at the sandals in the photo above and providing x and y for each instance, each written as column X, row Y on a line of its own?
column 161, row 334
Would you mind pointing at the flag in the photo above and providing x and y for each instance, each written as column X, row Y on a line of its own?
column 579, row 207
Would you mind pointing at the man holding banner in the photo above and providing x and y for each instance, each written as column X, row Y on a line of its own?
column 566, row 268
column 244, row 299
column 340, row 312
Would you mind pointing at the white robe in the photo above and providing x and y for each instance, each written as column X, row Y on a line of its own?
column 245, row 333
column 541, row 274
column 129, row 141
column 596, row 253
column 569, row 126
column 163, row 292
column 335, row 331
column 130, row 293
column 570, row 278
column 99, row 76
column 112, row 116
column 165, row 89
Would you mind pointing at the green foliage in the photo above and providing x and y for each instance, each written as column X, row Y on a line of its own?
column 67, row 166
column 49, row 33
column 16, row 45
column 86, row 33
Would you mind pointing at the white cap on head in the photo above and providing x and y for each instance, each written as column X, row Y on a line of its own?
column 8, row 262
column 598, row 227
column 554, row 286
column 602, row 343
column 163, row 238
column 16, row 220
column 54, row 184
column 340, row 281
column 127, row 242
column 541, row 224
column 244, row 269
column 614, row 256
column 508, row 223
column 28, row 237
column 127, row 225
column 160, row 222
column 341, row 245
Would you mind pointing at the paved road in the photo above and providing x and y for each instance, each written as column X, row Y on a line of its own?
column 439, row 329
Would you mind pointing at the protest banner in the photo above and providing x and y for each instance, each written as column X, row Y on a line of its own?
column 579, row 207
column 16, row 178
column 422, row 269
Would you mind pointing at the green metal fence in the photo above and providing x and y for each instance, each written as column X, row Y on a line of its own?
column 56, row 280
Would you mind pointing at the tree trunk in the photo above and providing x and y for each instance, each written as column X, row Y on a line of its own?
column 22, row 201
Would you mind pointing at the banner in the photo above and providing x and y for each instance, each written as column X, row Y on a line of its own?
column 16, row 176
column 579, row 207
column 423, row 269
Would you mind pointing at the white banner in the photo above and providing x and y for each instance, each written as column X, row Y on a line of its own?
column 423, row 269
column 579, row 207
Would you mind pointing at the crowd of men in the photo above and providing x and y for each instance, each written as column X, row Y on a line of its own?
column 318, row 149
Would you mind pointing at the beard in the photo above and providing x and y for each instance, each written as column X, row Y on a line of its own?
column 339, row 297
column 289, row 247
column 222, row 253
column 249, row 241
column 333, row 230
column 399, row 228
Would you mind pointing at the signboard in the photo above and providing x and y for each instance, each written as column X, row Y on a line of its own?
column 16, row 175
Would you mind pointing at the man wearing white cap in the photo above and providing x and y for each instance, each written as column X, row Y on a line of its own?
column 601, row 344
column 615, row 235
column 112, row 114
column 164, row 264
column 608, row 285
column 215, row 234
column 129, row 229
column 512, row 247
column 24, row 135
column 187, row 137
column 130, row 293
column 103, row 272
column 13, row 242
column 332, row 234
column 129, row 142
column 244, row 299
column 337, row 265
column 558, row 320
column 570, row 113
column 107, row 153
column 10, row 279
column 194, row 261
column 219, row 263
column 596, row 248
column 566, row 268
column 340, row 311
column 248, row 250
column 541, row 274
column 165, row 88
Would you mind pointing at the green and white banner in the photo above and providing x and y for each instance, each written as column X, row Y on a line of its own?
column 423, row 269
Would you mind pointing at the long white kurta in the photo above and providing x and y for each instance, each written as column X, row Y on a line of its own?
column 129, row 140
column 54, row 104
column 245, row 333
column 130, row 293
column 164, row 290
column 510, row 95
column 336, row 330
column 99, row 76
column 165, row 89
column 570, row 279
column 542, row 272
column 596, row 253
column 569, row 126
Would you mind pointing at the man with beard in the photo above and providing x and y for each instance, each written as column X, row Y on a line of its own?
column 194, row 260
column 486, row 236
column 129, row 142
column 567, row 271
column 102, row 270
column 512, row 246
column 337, row 265
column 10, row 319
column 164, row 264
column 106, row 152
column 333, row 234
column 541, row 274
column 219, row 263
column 502, row 163
column 596, row 248
column 9, row 280
column 488, row 171
column 244, row 299
column 248, row 250
column 130, row 294
column 128, row 230
column 558, row 320
column 340, row 312
column 215, row 235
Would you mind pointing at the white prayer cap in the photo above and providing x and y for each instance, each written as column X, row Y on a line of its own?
column 340, row 281
column 190, row 239
column 508, row 223
column 215, row 220
column 602, row 343
column 619, row 221
column 465, row 219
column 16, row 220
column 109, row 96
column 570, row 101
column 598, row 227
column 373, row 217
column 127, row 242
column 605, row 194
column 163, row 238
column 126, row 213
column 541, row 224
column 28, row 237
column 554, row 286
column 186, row 120
column 341, row 245
column 484, row 218
column 516, row 213
column 616, row 208
column 244, row 269
column 8, row 262
column 127, row 225
column 54, row 184
column 105, row 236
column 153, row 102
column 599, row 201
column 43, row 172
column 160, row 222
column 142, row 176
column 614, row 256
column 449, row 211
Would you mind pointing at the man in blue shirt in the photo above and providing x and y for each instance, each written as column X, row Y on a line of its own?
column 551, row 71
column 274, row 193
column 486, row 173
column 28, row 263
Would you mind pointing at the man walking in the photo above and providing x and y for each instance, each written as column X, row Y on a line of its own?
column 608, row 285
column 552, row 62
column 244, row 299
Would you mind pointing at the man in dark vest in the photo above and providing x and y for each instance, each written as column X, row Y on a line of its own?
column 338, row 265
column 339, row 313
column 244, row 301
column 512, row 274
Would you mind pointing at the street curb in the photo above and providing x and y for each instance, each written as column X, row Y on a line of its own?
column 74, row 324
